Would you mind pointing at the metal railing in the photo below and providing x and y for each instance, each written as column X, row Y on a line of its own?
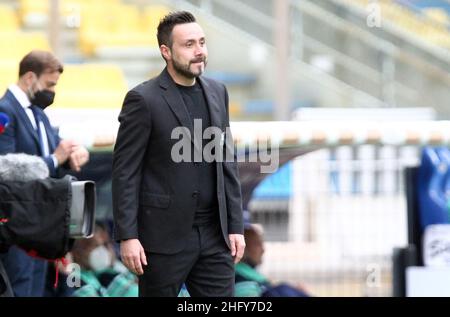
column 347, row 214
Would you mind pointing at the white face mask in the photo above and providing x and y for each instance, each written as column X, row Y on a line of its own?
column 100, row 258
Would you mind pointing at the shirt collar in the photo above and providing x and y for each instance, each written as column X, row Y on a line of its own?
column 20, row 95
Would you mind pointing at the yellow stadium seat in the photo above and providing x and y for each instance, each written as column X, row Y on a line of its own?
column 235, row 109
column 432, row 26
column 93, row 86
column 8, row 19
column 33, row 11
column 152, row 15
column 15, row 45
column 438, row 15
column 33, row 6
column 9, row 70
column 115, row 17
column 117, row 25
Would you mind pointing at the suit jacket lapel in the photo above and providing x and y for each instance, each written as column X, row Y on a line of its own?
column 213, row 104
column 22, row 115
column 176, row 103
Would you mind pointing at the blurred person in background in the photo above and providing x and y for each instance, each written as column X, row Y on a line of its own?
column 182, row 218
column 30, row 132
column 249, row 281
column 102, row 274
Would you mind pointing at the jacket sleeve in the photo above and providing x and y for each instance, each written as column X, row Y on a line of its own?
column 232, row 184
column 54, row 134
column 129, row 150
column 51, row 165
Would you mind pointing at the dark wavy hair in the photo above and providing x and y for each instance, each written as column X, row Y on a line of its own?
column 167, row 24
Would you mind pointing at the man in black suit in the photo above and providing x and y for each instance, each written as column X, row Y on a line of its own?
column 178, row 221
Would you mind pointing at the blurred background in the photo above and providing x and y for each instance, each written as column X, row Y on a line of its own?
column 349, row 90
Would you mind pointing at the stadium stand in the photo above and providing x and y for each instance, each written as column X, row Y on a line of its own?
column 428, row 22
column 94, row 86
column 8, row 19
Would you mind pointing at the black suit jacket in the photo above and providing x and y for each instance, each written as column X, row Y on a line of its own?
column 154, row 198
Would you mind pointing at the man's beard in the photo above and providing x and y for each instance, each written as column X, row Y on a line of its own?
column 185, row 70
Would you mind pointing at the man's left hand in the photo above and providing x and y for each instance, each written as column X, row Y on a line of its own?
column 237, row 242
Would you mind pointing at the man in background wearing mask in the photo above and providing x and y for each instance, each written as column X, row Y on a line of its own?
column 29, row 131
column 101, row 273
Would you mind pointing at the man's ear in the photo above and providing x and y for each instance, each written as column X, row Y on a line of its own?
column 28, row 78
column 165, row 52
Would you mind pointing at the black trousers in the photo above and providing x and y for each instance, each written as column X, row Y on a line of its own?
column 205, row 266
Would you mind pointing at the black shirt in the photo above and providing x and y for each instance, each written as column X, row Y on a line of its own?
column 196, row 105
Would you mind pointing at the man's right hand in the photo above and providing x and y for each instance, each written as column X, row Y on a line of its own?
column 63, row 151
column 133, row 255
column 78, row 158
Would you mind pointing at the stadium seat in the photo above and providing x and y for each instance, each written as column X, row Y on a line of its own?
column 8, row 74
column 235, row 109
column 120, row 26
column 8, row 19
column 438, row 15
column 429, row 23
column 152, row 16
column 94, row 86
column 33, row 12
column 14, row 45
